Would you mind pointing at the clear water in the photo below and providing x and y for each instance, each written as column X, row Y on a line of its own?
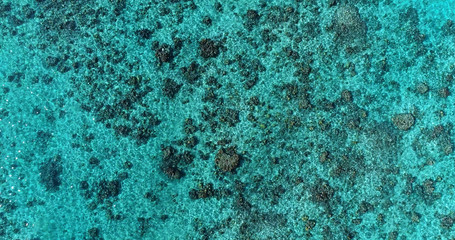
column 227, row 120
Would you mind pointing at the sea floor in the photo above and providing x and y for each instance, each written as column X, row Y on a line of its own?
column 191, row 119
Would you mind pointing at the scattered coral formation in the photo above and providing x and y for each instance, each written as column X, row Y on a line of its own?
column 262, row 120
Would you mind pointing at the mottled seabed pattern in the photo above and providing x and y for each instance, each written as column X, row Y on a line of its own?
column 192, row 119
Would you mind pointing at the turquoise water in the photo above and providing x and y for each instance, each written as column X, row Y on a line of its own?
column 227, row 119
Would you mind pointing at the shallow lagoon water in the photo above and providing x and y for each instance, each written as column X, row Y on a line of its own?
column 227, row 119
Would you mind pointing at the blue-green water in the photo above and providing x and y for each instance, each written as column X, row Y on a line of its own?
column 227, row 119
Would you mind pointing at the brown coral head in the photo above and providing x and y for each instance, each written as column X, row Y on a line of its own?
column 173, row 172
column 227, row 159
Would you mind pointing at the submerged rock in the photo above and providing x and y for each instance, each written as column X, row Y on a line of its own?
column 403, row 121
